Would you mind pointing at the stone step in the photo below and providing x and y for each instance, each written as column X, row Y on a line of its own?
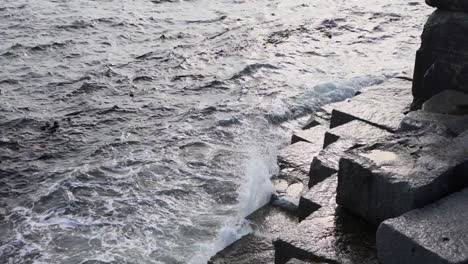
column 320, row 117
column 356, row 130
column 313, row 135
column 435, row 234
column 257, row 247
column 325, row 164
column 322, row 194
column 400, row 174
column 329, row 235
column 383, row 105
column 450, row 102
column 442, row 124
column 298, row 156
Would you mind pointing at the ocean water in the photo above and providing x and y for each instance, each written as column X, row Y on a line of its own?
column 138, row 131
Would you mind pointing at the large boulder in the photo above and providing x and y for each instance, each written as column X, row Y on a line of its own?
column 436, row 234
column 442, row 60
column 452, row 5
column 401, row 173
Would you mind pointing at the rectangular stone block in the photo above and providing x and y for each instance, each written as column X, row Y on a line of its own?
column 383, row 105
column 325, row 164
column 329, row 235
column 435, row 234
column 322, row 194
column 443, row 124
column 298, row 155
column 313, row 135
column 400, row 174
column 356, row 130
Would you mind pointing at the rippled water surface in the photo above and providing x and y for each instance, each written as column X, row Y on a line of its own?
column 142, row 131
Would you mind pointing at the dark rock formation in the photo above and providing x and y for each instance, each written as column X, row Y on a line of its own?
column 453, row 5
column 435, row 234
column 442, row 124
column 400, row 174
column 382, row 106
column 442, row 60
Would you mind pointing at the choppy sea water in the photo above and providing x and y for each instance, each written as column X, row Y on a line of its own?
column 138, row 131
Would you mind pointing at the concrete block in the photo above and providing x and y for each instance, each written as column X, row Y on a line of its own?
column 435, row 234
column 450, row 102
column 383, row 106
column 400, row 174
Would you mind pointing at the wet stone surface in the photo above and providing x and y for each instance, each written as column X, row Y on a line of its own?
column 313, row 135
column 326, row 162
column 356, row 130
column 322, row 194
column 450, row 102
column 443, row 124
column 267, row 223
column 433, row 234
column 402, row 173
column 382, row 106
column 329, row 235
column 298, row 155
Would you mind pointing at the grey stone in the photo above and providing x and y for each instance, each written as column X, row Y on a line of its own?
column 257, row 247
column 328, row 235
column 400, row 174
column 356, row 130
column 298, row 155
column 320, row 117
column 288, row 198
column 326, row 162
column 443, row 124
column 383, row 106
column 442, row 60
column 312, row 135
column 453, row 5
column 322, row 194
column 450, row 102
column 296, row 261
column 435, row 234
column 249, row 249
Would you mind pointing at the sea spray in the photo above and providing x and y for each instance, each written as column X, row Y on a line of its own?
column 254, row 192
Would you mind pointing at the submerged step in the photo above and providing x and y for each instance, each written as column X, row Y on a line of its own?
column 383, row 106
column 435, row 234
column 400, row 174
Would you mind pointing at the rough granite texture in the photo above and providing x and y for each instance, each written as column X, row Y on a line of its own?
column 329, row 235
column 298, row 155
column 356, row 130
column 435, row 234
column 442, row 124
column 442, row 60
column 382, row 105
column 400, row 174
column 322, row 194
column 450, row 102
column 312, row 135
column 326, row 162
